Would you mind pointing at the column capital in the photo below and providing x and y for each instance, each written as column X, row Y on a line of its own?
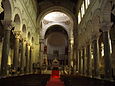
column 8, row 24
column 106, row 26
column 17, row 34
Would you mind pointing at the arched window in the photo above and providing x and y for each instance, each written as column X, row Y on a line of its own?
column 83, row 9
column 87, row 2
column 102, row 49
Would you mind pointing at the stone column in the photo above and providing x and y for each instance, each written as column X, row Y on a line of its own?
column 77, row 60
column 74, row 62
column 27, row 57
column 6, row 46
column 30, row 60
column 96, row 57
column 41, row 50
column 22, row 64
column 69, row 54
column 16, row 50
column 89, row 60
column 71, row 41
column 84, row 61
column 107, row 55
column 80, row 61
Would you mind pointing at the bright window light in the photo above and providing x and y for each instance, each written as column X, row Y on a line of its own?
column 82, row 9
column 87, row 2
column 110, row 46
column 102, row 49
column 79, row 18
column 56, row 16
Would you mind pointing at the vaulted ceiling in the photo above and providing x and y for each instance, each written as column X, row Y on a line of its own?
column 44, row 4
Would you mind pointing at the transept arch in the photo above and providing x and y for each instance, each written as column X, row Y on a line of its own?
column 65, row 28
column 56, row 8
column 58, row 26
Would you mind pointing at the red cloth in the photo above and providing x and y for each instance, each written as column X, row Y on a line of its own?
column 55, row 79
column 55, row 82
column 55, row 74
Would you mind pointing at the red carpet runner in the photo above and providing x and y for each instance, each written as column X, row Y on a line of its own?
column 55, row 79
column 55, row 82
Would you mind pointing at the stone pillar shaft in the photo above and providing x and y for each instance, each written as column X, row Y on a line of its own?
column 22, row 64
column 96, row 58
column 6, row 46
column 16, row 50
column 41, row 50
column 106, row 26
column 30, row 60
column 79, row 61
column 27, row 57
column 84, row 61
column 5, row 52
column 107, row 55
column 89, row 60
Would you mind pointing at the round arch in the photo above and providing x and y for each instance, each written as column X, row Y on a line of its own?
column 57, row 8
column 24, row 22
column 17, row 21
column 24, row 28
column 17, row 14
column 55, row 24
column 54, row 28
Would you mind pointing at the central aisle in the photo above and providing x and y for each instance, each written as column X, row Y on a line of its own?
column 55, row 82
